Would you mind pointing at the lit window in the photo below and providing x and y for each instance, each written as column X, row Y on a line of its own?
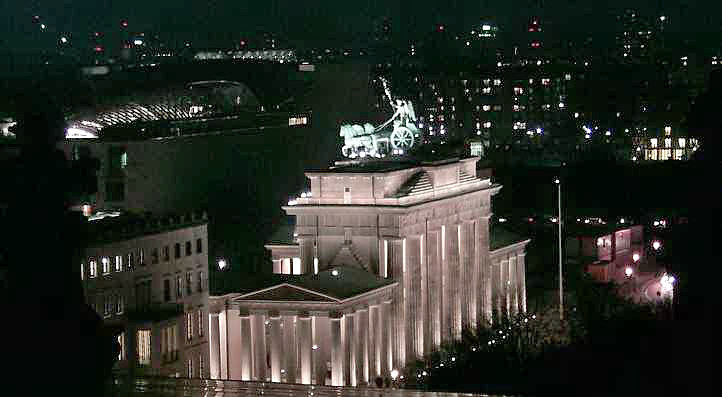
column 106, row 265
column 93, row 268
column 189, row 325
column 129, row 261
column 516, row 108
column 200, row 282
column 486, row 108
column 82, row 271
column 497, row 82
column 169, row 343
column 121, row 342
column 518, row 90
column 567, row 77
column 200, row 322
column 487, row 124
column 545, row 81
column 667, row 142
column 682, row 142
column 119, row 263
column 486, row 90
column 653, row 142
column 667, row 130
column 190, row 368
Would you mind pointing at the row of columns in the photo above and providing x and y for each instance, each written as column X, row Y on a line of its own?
column 296, row 348
column 444, row 286
column 509, row 285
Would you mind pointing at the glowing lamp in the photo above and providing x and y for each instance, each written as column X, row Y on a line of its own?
column 334, row 272
column 628, row 271
column 635, row 257
column 656, row 245
column 394, row 374
column 222, row 264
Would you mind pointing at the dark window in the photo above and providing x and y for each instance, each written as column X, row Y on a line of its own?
column 189, row 248
column 189, row 283
column 166, row 290
column 166, row 253
column 115, row 191
column 118, row 161
column 177, row 250
column 179, row 286
column 199, row 246
column 154, row 256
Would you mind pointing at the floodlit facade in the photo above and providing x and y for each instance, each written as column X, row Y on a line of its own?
column 387, row 261
column 148, row 279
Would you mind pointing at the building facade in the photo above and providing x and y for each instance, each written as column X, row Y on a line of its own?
column 148, row 279
column 387, row 261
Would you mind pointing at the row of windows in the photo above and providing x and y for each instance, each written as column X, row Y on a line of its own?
column 168, row 341
column 110, row 304
column 118, row 263
column 179, row 283
column 201, row 367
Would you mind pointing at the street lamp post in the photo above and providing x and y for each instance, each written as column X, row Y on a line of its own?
column 559, row 228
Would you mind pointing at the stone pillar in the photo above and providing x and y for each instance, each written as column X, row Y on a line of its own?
column 336, row 352
column 306, row 249
column 464, row 273
column 504, row 274
column 423, row 327
column 412, row 299
column 383, row 340
column 454, row 285
column 246, row 347
column 214, row 340
column 349, row 339
column 362, row 332
column 484, row 300
column 289, row 347
column 234, row 345
column 375, row 339
column 258, row 336
column 513, row 286
column 223, row 328
column 521, row 280
column 445, row 289
column 433, row 244
column 386, row 310
column 305, row 342
column 322, row 340
column 276, row 349
column 383, row 258
column 396, row 267
column 496, row 289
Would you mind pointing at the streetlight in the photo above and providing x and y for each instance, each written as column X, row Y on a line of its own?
column 222, row 264
column 628, row 271
column 656, row 245
column 394, row 374
column 559, row 228
column 635, row 257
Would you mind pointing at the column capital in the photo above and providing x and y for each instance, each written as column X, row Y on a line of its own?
column 520, row 254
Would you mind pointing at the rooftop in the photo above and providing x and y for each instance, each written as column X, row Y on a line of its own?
column 500, row 237
column 128, row 226
column 384, row 165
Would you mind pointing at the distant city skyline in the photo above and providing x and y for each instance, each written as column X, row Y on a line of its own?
column 316, row 22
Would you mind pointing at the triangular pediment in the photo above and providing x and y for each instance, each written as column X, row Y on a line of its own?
column 347, row 257
column 287, row 293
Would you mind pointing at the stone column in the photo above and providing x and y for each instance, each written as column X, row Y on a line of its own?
column 445, row 290
column 383, row 339
column 412, row 299
column 276, row 349
column 375, row 340
column 258, row 336
column 214, row 340
column 223, row 328
column 423, row 325
column 234, row 344
column 336, row 352
column 386, row 310
column 484, row 297
column 504, row 274
column 383, row 258
column 322, row 340
column 289, row 347
column 349, row 338
column 513, row 286
column 396, row 268
column 305, row 244
column 433, row 244
column 496, row 290
column 454, row 285
column 362, row 326
column 305, row 342
column 246, row 347
column 521, row 280
column 464, row 273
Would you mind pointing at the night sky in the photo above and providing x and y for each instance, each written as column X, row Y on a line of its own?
column 317, row 22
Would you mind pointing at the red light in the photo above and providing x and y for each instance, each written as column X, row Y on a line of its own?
column 536, row 44
column 98, row 48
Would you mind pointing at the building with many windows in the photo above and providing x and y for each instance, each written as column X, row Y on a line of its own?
column 387, row 261
column 148, row 279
